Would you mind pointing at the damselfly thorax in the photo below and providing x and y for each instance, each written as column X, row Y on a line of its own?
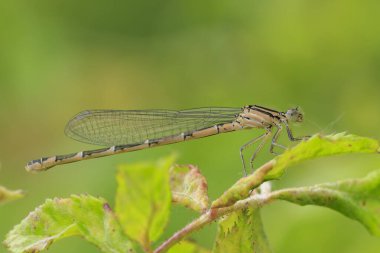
column 131, row 130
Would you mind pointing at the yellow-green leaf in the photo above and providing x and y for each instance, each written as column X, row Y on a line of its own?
column 241, row 231
column 143, row 199
column 83, row 215
column 189, row 187
column 358, row 199
column 316, row 146
column 187, row 247
column 320, row 146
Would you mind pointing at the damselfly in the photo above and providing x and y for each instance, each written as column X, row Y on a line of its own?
column 127, row 130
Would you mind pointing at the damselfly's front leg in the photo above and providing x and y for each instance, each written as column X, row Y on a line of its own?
column 274, row 140
column 290, row 134
column 251, row 142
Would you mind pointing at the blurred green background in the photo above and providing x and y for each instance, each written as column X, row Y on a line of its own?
column 60, row 57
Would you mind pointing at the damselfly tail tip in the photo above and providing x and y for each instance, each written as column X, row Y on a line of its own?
column 35, row 166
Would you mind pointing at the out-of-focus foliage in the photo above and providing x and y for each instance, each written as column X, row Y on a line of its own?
column 86, row 216
column 187, row 247
column 9, row 195
column 60, row 57
column 143, row 200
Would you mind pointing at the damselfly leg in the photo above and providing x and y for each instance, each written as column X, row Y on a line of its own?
column 290, row 134
column 263, row 138
column 246, row 145
column 261, row 145
column 274, row 143
column 274, row 140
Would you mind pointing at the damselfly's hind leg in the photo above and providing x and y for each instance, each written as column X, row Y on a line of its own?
column 261, row 145
column 251, row 142
column 290, row 134
column 274, row 141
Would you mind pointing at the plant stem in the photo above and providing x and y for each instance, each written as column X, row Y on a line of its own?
column 256, row 200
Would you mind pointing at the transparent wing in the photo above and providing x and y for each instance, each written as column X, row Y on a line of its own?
column 116, row 127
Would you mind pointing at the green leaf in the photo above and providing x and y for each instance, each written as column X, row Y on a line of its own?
column 316, row 146
column 189, row 187
column 143, row 199
column 83, row 215
column 9, row 195
column 358, row 199
column 241, row 231
column 320, row 146
column 187, row 247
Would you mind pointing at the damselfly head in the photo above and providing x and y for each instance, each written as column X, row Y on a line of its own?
column 294, row 115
